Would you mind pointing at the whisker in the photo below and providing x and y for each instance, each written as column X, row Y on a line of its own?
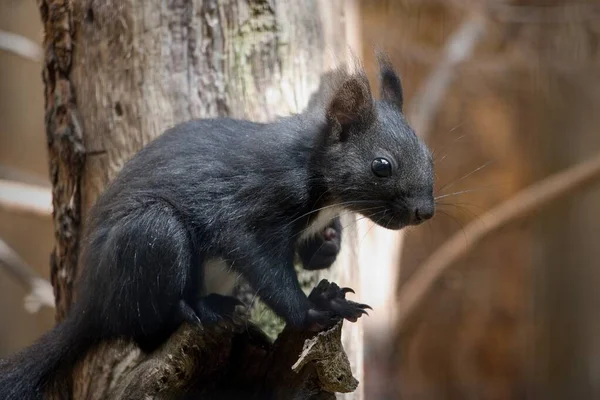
column 330, row 206
column 329, row 190
column 370, row 216
column 436, row 152
column 462, row 192
column 389, row 220
column 476, row 217
column 471, row 213
column 438, row 162
column 455, row 128
column 457, row 222
column 431, row 235
column 374, row 223
column 344, row 211
column 354, row 221
column 483, row 209
column 465, row 176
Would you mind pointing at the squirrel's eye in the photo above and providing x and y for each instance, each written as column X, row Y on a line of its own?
column 381, row 167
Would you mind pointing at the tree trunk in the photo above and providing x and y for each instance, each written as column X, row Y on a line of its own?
column 120, row 72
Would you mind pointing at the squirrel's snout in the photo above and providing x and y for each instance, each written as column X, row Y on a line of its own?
column 421, row 211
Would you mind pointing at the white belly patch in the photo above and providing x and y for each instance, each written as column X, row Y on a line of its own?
column 324, row 217
column 218, row 277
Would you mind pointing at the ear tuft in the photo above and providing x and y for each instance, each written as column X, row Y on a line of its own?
column 351, row 102
column 391, row 85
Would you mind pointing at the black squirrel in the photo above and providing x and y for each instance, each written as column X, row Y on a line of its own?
column 252, row 195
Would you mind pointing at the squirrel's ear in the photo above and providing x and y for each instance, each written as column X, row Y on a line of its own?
column 351, row 105
column 391, row 86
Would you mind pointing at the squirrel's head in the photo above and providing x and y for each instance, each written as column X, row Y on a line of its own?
column 369, row 158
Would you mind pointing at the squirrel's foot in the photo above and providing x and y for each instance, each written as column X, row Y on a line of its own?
column 331, row 305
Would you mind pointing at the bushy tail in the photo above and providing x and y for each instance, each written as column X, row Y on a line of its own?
column 26, row 375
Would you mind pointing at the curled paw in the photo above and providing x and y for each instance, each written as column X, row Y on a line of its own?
column 330, row 305
column 321, row 251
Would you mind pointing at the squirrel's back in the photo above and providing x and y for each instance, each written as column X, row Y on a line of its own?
column 216, row 172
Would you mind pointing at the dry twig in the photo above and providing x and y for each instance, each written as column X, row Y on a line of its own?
column 459, row 47
column 25, row 198
column 41, row 293
column 21, row 46
column 11, row 173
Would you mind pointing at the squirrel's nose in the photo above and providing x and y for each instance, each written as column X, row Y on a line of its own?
column 422, row 210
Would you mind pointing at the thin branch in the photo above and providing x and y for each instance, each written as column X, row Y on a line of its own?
column 527, row 14
column 21, row 46
column 562, row 14
column 41, row 293
column 459, row 47
column 427, row 55
column 524, row 204
column 25, row 198
column 10, row 173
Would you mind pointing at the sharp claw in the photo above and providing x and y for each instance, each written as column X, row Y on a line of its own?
column 348, row 290
column 359, row 305
column 332, row 297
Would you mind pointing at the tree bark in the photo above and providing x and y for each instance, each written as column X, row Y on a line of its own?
column 65, row 147
column 120, row 72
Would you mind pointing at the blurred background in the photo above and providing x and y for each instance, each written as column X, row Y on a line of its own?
column 517, row 317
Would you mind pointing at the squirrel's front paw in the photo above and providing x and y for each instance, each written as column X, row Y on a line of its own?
column 331, row 305
column 321, row 251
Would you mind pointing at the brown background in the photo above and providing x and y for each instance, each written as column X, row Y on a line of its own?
column 518, row 317
column 22, row 147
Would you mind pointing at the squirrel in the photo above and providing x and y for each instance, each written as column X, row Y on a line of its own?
column 249, row 195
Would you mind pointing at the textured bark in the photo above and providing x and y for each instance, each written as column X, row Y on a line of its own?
column 237, row 362
column 139, row 67
column 65, row 148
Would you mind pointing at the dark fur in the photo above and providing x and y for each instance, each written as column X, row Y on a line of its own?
column 321, row 250
column 236, row 190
